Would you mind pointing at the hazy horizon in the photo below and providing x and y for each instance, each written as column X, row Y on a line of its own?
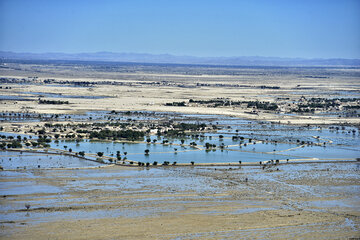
column 177, row 55
column 286, row 29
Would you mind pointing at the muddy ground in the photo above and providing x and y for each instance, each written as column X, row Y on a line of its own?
column 317, row 201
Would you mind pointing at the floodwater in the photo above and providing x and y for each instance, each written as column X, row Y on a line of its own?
column 26, row 160
column 56, row 95
column 243, row 140
column 233, row 151
column 95, row 193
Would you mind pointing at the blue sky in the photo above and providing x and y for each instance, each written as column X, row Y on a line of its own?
column 278, row 28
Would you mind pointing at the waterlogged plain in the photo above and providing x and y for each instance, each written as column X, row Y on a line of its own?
column 51, row 194
column 234, row 153
column 57, row 95
column 259, row 149
column 27, row 160
column 88, row 115
column 70, row 197
column 126, row 194
column 254, row 141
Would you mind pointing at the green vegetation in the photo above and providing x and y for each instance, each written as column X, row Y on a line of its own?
column 223, row 102
column 177, row 104
column 14, row 144
column 263, row 105
column 41, row 101
column 117, row 135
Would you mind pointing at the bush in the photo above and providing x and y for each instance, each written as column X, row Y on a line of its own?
column 52, row 102
column 14, row 144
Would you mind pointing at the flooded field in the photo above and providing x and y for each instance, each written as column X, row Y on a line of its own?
column 306, row 200
column 234, row 140
column 27, row 160
column 93, row 151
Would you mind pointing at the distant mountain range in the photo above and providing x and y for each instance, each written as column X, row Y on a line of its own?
column 167, row 58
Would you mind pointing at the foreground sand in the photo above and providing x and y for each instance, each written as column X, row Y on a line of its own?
column 311, row 201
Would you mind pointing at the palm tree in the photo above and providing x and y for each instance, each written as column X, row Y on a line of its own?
column 147, row 151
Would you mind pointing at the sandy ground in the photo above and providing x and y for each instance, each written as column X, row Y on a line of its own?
column 124, row 98
column 313, row 201
column 181, row 87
